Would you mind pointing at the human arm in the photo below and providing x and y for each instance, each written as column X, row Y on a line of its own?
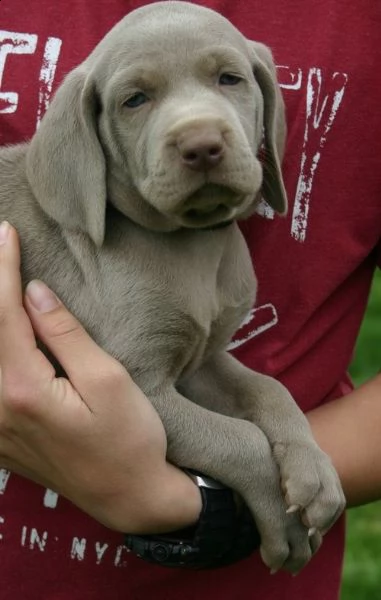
column 348, row 429
column 94, row 438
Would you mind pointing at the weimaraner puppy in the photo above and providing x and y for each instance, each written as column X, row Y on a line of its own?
column 126, row 201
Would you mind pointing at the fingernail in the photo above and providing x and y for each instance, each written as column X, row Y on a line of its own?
column 312, row 531
column 4, row 231
column 41, row 297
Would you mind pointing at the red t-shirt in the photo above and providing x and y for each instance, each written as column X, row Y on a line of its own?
column 314, row 269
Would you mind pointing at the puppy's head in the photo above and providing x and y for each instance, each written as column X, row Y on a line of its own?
column 175, row 119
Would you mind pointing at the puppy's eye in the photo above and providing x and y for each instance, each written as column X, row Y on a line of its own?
column 229, row 79
column 136, row 100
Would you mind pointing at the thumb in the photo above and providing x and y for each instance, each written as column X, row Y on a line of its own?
column 62, row 334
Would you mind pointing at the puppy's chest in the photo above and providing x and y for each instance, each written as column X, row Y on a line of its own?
column 162, row 303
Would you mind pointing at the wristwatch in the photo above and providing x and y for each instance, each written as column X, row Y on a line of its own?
column 224, row 534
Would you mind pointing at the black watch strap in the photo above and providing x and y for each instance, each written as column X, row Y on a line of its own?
column 223, row 535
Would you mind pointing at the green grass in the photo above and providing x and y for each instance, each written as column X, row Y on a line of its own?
column 362, row 567
column 367, row 361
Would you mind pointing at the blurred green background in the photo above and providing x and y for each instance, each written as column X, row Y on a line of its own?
column 362, row 567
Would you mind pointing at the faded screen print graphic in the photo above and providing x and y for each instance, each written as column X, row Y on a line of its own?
column 39, row 539
column 323, row 92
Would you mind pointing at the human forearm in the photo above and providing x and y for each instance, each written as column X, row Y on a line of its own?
column 349, row 430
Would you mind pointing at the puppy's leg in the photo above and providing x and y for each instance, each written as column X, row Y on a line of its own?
column 238, row 454
column 308, row 479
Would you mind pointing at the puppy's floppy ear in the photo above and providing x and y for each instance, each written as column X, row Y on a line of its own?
column 65, row 162
column 273, row 189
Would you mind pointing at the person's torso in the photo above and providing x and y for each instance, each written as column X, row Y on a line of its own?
column 314, row 269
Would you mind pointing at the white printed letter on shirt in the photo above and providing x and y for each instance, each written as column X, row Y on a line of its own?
column 13, row 43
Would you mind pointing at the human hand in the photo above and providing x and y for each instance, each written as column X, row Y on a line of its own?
column 94, row 437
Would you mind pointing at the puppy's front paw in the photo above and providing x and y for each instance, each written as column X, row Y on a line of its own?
column 310, row 485
column 286, row 543
column 293, row 548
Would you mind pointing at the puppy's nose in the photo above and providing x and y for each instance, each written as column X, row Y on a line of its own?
column 201, row 150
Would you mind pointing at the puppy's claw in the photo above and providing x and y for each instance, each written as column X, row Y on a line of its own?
column 293, row 509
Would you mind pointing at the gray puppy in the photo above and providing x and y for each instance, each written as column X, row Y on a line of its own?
column 149, row 146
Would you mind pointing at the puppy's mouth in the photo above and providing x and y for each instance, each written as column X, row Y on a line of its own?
column 210, row 205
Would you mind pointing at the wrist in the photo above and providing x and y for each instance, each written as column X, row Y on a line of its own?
column 165, row 500
column 223, row 534
column 179, row 500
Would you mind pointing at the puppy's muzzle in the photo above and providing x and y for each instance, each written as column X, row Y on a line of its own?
column 201, row 149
